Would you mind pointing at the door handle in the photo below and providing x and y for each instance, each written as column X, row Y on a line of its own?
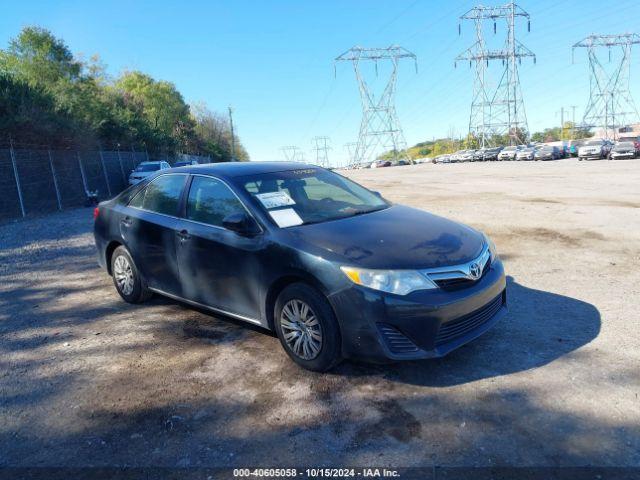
column 183, row 235
column 126, row 222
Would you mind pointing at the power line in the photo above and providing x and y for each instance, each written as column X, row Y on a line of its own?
column 380, row 125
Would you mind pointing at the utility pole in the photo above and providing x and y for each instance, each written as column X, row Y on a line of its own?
column 610, row 103
column 321, row 147
column 233, row 138
column 561, row 112
column 499, row 111
column 380, row 127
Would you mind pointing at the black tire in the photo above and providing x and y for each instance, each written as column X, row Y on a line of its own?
column 330, row 351
column 139, row 292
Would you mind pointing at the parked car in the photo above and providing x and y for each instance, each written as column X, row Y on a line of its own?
column 381, row 163
column 442, row 159
column 594, row 149
column 547, row 152
column 456, row 156
column 508, row 153
column 623, row 150
column 184, row 163
column 328, row 265
column 491, row 154
column 145, row 169
column 527, row 153
column 574, row 146
column 466, row 156
column 478, row 155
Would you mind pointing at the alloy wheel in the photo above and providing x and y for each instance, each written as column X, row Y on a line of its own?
column 123, row 274
column 301, row 329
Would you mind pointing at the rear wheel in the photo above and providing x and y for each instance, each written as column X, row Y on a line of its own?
column 126, row 277
column 307, row 327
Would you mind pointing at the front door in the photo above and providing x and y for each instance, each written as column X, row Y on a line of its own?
column 218, row 267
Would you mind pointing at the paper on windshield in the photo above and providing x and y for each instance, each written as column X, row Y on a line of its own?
column 286, row 217
column 275, row 199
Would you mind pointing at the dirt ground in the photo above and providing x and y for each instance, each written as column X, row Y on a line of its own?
column 88, row 380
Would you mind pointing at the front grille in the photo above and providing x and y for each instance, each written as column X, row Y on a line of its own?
column 452, row 284
column 395, row 340
column 456, row 328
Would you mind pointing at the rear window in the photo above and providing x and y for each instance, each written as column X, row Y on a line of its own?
column 162, row 195
column 148, row 167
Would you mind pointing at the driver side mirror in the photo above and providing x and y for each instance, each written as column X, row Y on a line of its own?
column 377, row 194
column 242, row 224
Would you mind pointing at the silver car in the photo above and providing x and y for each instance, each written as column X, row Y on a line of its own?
column 145, row 169
column 526, row 154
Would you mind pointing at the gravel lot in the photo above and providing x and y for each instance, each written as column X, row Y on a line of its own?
column 88, row 380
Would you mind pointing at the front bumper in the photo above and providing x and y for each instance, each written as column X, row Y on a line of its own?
column 378, row 327
column 616, row 156
column 590, row 155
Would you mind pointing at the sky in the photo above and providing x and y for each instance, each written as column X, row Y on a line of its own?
column 272, row 61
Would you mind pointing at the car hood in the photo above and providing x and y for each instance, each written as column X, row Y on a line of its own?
column 397, row 237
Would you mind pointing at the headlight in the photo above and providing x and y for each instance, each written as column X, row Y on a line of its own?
column 492, row 247
column 400, row 282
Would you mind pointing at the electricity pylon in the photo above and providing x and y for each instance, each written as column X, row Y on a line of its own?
column 351, row 150
column 321, row 147
column 292, row 153
column 610, row 103
column 380, row 126
column 499, row 111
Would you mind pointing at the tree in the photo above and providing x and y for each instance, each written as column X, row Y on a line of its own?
column 214, row 131
column 48, row 96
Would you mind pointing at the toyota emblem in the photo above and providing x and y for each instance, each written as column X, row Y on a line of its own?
column 475, row 270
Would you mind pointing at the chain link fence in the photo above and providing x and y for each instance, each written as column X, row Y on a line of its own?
column 36, row 181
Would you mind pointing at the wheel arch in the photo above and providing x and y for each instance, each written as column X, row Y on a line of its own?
column 282, row 282
column 108, row 253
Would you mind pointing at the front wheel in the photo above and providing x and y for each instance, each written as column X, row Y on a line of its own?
column 307, row 327
column 126, row 277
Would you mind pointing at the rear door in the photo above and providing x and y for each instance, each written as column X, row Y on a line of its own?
column 149, row 230
column 218, row 267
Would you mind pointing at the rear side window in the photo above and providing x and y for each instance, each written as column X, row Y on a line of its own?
column 210, row 201
column 162, row 195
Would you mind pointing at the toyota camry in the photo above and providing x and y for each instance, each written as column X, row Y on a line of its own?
column 334, row 269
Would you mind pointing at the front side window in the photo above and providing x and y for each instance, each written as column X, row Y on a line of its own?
column 210, row 201
column 308, row 195
column 162, row 195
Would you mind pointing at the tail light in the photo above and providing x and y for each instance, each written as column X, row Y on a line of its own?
column 96, row 212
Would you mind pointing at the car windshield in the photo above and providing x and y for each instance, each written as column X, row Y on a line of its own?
column 148, row 167
column 546, row 149
column 624, row 145
column 308, row 195
column 593, row 142
column 506, row 149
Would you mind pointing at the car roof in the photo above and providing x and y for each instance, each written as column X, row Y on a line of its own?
column 238, row 169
